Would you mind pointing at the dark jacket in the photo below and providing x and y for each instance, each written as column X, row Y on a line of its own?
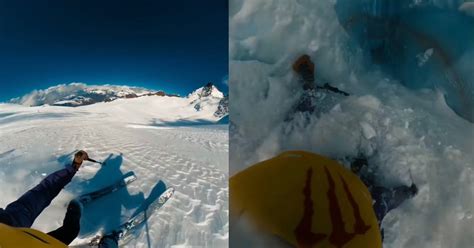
column 23, row 212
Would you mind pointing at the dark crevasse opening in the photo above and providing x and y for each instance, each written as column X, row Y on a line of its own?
column 421, row 45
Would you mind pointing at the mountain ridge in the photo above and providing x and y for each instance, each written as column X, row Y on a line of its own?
column 80, row 94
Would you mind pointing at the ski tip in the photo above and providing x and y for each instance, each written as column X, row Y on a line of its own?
column 168, row 192
column 130, row 178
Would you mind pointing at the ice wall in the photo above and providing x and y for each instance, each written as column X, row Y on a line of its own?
column 421, row 44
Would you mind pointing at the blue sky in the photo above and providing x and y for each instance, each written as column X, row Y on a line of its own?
column 171, row 45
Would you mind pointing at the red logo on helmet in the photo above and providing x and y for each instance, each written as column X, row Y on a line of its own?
column 339, row 236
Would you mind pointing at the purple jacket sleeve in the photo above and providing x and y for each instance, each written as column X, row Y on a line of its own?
column 56, row 181
column 24, row 211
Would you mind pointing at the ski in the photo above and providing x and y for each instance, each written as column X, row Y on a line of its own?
column 126, row 230
column 124, row 181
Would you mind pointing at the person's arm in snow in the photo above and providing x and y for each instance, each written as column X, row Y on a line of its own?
column 24, row 211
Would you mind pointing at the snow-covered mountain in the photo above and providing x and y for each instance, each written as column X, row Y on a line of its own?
column 208, row 97
column 222, row 108
column 80, row 94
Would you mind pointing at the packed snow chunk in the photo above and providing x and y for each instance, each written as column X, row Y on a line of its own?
column 424, row 57
column 369, row 102
column 367, row 130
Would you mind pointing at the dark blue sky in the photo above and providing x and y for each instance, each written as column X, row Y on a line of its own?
column 176, row 46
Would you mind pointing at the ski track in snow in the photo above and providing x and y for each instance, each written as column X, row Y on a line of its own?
column 192, row 159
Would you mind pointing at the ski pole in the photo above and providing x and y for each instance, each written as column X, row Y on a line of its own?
column 93, row 161
column 411, row 176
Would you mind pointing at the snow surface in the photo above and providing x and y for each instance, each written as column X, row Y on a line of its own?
column 157, row 138
column 397, row 128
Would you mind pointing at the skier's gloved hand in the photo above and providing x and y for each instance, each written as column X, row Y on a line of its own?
column 79, row 157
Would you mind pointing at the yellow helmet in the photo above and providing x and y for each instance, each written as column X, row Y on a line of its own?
column 308, row 200
column 11, row 237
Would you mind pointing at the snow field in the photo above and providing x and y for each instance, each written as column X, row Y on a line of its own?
column 134, row 136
